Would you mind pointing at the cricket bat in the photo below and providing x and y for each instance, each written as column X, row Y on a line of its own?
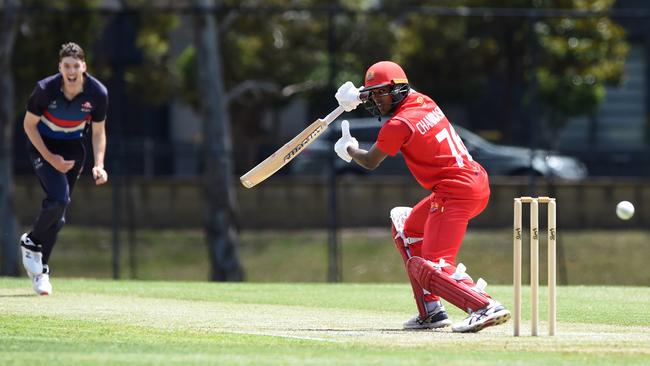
column 290, row 150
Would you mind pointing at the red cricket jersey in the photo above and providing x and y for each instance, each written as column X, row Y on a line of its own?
column 433, row 151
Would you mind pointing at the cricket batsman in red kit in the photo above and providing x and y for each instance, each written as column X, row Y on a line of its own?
column 429, row 235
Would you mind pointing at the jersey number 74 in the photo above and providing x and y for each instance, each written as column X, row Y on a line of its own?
column 456, row 145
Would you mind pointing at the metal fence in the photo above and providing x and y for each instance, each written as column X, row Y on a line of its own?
column 150, row 136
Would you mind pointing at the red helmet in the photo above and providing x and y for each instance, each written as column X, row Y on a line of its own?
column 384, row 73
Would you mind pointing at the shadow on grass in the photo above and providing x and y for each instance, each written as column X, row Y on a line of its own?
column 18, row 295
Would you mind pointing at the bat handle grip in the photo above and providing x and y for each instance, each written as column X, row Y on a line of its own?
column 334, row 114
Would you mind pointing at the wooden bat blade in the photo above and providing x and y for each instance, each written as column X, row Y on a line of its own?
column 290, row 150
column 285, row 154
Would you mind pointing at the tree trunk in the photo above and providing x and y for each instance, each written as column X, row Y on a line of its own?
column 8, row 235
column 221, row 232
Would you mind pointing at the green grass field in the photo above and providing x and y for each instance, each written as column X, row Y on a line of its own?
column 103, row 322
column 593, row 257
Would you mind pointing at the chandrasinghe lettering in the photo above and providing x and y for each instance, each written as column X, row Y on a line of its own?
column 430, row 120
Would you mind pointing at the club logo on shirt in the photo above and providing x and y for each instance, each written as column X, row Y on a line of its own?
column 434, row 207
column 52, row 105
column 86, row 107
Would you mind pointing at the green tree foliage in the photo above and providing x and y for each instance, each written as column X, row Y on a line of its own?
column 275, row 49
column 454, row 57
column 8, row 222
column 580, row 57
column 363, row 38
column 155, row 77
column 49, row 23
column 268, row 58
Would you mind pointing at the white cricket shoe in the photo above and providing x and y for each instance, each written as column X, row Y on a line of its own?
column 493, row 314
column 32, row 260
column 438, row 319
column 41, row 282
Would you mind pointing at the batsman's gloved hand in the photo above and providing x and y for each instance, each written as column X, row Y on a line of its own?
column 348, row 96
column 346, row 140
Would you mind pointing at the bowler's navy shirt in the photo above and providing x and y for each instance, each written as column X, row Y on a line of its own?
column 65, row 119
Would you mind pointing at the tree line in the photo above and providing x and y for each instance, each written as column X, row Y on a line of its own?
column 268, row 52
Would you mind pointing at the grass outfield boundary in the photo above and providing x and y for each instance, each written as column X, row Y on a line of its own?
column 93, row 322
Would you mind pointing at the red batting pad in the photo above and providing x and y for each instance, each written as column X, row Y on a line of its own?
column 418, row 294
column 436, row 281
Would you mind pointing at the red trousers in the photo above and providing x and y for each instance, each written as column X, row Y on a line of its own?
column 442, row 222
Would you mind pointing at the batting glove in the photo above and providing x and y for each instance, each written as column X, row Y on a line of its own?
column 348, row 96
column 346, row 140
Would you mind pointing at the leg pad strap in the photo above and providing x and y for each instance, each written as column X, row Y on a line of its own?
column 435, row 280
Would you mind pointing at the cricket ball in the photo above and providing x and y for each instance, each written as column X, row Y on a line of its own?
column 625, row 210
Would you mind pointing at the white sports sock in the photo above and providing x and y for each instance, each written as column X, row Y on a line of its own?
column 432, row 306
